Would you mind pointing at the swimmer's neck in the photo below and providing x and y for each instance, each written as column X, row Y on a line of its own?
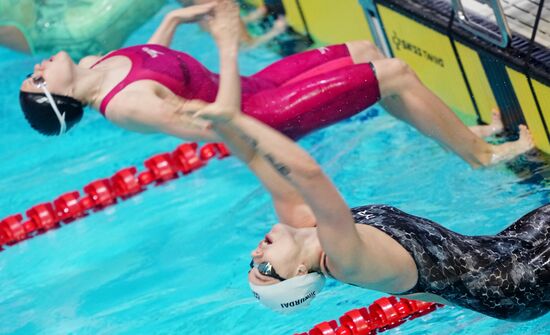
column 88, row 61
column 312, row 250
column 86, row 85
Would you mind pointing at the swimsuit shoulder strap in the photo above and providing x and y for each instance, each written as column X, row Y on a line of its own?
column 132, row 55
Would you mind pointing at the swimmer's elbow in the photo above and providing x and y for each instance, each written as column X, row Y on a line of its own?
column 310, row 170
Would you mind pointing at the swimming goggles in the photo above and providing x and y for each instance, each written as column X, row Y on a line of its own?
column 40, row 83
column 266, row 269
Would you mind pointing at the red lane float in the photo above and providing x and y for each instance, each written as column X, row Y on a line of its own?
column 186, row 159
column 68, row 207
column 126, row 183
column 106, row 192
column 101, row 193
column 385, row 313
column 11, row 230
column 44, row 217
column 161, row 167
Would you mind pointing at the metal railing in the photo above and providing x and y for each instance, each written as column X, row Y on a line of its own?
column 502, row 40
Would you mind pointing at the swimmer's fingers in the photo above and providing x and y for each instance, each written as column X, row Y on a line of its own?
column 225, row 22
column 280, row 24
column 200, row 124
column 195, row 123
column 190, row 107
column 193, row 13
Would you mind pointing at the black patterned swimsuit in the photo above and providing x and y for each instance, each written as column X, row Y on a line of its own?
column 506, row 276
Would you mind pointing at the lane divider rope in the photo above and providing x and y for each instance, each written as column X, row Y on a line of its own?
column 383, row 314
column 105, row 192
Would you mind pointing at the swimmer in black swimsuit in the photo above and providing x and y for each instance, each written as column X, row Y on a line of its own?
column 506, row 276
column 378, row 247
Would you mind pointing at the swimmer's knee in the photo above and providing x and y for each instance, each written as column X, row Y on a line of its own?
column 364, row 51
column 401, row 68
column 364, row 45
column 394, row 76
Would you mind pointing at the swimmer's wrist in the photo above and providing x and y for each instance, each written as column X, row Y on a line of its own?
column 228, row 49
column 176, row 18
column 230, row 118
column 226, row 40
column 238, row 120
column 172, row 18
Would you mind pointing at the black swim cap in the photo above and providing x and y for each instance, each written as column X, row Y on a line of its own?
column 41, row 115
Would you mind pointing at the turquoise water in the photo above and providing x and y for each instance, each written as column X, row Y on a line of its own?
column 173, row 260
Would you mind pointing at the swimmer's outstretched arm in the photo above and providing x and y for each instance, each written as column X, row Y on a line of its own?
column 252, row 141
column 275, row 158
column 336, row 228
column 362, row 260
column 165, row 32
column 288, row 202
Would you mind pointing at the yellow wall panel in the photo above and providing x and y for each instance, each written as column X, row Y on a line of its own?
column 481, row 89
column 529, row 108
column 543, row 96
column 431, row 55
column 333, row 22
column 293, row 16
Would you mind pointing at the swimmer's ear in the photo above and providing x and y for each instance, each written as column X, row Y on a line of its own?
column 302, row 270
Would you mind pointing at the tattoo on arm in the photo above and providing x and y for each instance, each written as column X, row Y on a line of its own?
column 253, row 143
column 281, row 168
column 249, row 140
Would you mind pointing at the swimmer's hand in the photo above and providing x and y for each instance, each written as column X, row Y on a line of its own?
column 216, row 113
column 193, row 123
column 192, row 13
column 187, row 110
column 225, row 23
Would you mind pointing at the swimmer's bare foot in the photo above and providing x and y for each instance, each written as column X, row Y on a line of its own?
column 509, row 150
column 280, row 25
column 495, row 127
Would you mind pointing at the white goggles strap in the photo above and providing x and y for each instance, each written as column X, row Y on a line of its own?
column 60, row 116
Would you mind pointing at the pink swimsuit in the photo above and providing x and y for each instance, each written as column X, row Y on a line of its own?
column 295, row 95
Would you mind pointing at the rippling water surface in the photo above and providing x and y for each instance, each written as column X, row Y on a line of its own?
column 173, row 260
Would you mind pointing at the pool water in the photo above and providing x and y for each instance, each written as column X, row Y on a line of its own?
column 173, row 260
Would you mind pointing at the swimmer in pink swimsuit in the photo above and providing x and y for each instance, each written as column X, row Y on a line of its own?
column 335, row 87
column 151, row 88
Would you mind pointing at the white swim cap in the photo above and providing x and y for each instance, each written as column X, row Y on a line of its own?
column 290, row 295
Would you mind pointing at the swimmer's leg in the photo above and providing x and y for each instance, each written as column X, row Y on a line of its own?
column 296, row 65
column 289, row 67
column 533, row 227
column 364, row 52
column 405, row 97
column 315, row 102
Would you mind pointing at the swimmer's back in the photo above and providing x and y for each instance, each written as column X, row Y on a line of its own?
column 504, row 276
